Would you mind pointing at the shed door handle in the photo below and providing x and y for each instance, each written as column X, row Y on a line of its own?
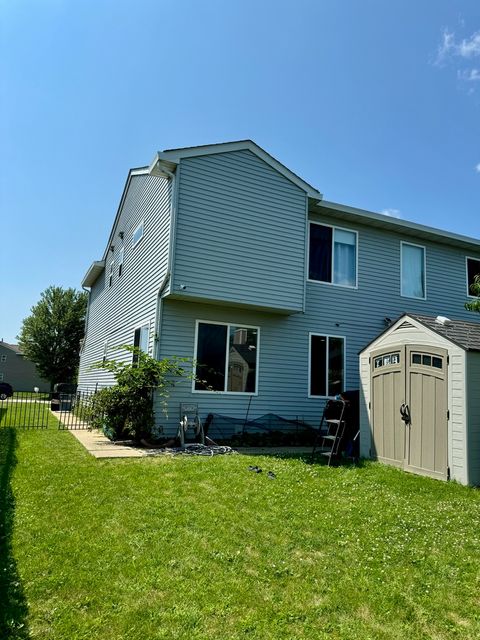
column 405, row 413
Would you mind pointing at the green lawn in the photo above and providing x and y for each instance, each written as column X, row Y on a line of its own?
column 199, row 548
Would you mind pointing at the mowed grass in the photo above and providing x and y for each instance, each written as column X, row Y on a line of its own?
column 203, row 548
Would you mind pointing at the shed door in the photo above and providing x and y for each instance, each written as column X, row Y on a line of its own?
column 426, row 392
column 415, row 376
column 388, row 393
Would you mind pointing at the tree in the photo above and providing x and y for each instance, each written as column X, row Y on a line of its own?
column 474, row 305
column 50, row 336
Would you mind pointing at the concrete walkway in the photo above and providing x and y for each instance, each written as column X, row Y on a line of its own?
column 99, row 446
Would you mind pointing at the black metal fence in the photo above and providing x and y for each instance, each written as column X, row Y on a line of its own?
column 29, row 410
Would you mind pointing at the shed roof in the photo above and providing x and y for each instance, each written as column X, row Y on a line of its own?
column 464, row 334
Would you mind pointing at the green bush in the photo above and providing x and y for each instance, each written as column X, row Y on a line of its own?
column 125, row 410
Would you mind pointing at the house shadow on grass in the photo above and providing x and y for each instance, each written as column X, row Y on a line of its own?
column 13, row 604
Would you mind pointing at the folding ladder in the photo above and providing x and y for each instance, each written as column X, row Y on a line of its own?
column 331, row 430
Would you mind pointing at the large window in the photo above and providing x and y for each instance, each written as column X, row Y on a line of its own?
column 226, row 358
column 140, row 340
column 332, row 255
column 473, row 269
column 413, row 270
column 327, row 365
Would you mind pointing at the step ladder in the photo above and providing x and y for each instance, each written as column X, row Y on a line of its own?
column 331, row 430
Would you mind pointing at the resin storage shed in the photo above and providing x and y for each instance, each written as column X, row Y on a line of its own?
column 420, row 397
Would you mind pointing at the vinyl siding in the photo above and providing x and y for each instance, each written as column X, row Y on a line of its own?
column 473, row 416
column 115, row 312
column 240, row 234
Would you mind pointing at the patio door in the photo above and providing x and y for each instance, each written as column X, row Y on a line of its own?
column 409, row 408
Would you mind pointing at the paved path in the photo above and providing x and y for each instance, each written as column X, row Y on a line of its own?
column 100, row 446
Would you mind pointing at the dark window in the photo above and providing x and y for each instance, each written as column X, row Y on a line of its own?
column 226, row 358
column 320, row 255
column 120, row 261
column 416, row 358
column 110, row 275
column 473, row 269
column 437, row 362
column 427, row 361
column 211, row 351
column 326, row 365
column 140, row 341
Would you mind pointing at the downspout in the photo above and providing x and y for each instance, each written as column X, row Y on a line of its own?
column 87, row 315
column 168, row 278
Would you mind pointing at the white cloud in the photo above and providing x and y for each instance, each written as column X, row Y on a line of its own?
column 477, row 167
column 471, row 47
column 466, row 48
column 469, row 75
column 393, row 213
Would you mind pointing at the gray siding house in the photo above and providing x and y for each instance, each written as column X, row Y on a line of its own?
column 223, row 255
column 18, row 371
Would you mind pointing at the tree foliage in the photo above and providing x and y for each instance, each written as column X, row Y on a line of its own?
column 126, row 409
column 474, row 305
column 51, row 334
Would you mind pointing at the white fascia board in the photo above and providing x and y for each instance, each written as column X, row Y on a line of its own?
column 175, row 155
column 93, row 272
column 409, row 228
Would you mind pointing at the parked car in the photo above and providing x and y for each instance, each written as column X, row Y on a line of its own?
column 6, row 390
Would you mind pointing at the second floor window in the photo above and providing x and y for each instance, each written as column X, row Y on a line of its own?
column 413, row 271
column 332, row 255
column 473, row 269
column 110, row 274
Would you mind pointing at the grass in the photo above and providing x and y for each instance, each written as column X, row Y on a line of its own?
column 203, row 548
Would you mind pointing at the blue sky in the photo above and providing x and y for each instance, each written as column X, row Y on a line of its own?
column 375, row 103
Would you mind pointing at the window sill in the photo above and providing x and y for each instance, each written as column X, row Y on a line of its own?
column 225, row 393
column 333, row 284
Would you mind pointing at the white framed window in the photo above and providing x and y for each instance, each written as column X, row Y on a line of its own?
column 110, row 273
column 140, row 340
column 1, row 377
column 332, row 255
column 3, row 358
column 472, row 268
column 137, row 234
column 227, row 357
column 413, row 270
column 121, row 257
column 326, row 370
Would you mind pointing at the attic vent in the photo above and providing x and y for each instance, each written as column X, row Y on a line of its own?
column 443, row 320
column 405, row 325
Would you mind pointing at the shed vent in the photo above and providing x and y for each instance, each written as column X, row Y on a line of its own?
column 443, row 320
column 405, row 325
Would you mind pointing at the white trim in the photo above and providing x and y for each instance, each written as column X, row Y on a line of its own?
column 239, row 325
column 328, row 336
column 141, row 224
column 331, row 226
column 467, row 258
column 420, row 246
column 145, row 323
column 372, row 218
column 175, row 155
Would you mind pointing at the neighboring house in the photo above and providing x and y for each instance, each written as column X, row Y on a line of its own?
column 221, row 254
column 18, row 371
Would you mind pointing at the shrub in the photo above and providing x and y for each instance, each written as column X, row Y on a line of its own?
column 125, row 410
